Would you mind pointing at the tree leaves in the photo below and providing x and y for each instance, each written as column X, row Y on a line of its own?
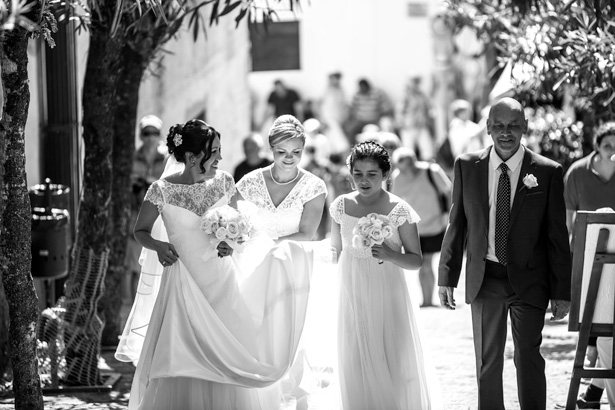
column 559, row 45
column 229, row 8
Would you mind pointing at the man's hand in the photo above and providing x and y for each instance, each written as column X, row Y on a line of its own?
column 559, row 309
column 446, row 297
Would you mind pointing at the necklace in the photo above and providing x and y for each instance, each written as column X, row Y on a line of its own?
column 284, row 183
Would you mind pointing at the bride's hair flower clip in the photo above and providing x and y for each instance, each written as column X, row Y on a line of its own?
column 177, row 139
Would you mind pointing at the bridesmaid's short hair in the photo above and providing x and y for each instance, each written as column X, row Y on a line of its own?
column 195, row 136
column 284, row 128
column 372, row 151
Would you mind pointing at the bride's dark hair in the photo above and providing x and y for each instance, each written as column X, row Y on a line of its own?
column 195, row 136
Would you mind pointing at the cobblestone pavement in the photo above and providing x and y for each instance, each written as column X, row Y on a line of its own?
column 447, row 334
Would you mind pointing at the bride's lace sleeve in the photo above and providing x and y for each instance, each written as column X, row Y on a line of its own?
column 154, row 195
column 402, row 213
column 229, row 184
column 314, row 187
column 337, row 209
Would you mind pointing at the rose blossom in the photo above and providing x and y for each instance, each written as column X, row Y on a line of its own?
column 377, row 234
column 232, row 229
column 365, row 242
column 530, row 181
column 221, row 233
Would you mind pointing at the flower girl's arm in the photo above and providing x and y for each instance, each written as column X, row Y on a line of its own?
column 336, row 238
column 142, row 232
column 412, row 258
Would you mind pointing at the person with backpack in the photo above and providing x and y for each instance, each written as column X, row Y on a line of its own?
column 427, row 188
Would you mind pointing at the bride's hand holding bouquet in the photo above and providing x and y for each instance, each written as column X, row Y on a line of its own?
column 227, row 230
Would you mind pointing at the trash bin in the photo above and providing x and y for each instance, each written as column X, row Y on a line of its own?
column 51, row 239
column 49, row 195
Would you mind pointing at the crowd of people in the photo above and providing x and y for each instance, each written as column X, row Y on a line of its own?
column 230, row 333
column 345, row 117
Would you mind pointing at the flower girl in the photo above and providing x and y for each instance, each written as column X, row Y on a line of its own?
column 381, row 361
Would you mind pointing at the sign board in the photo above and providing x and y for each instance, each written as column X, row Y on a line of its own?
column 587, row 228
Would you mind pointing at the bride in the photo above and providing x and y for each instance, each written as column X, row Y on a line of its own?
column 202, row 339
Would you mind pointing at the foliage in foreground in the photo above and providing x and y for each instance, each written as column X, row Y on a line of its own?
column 554, row 46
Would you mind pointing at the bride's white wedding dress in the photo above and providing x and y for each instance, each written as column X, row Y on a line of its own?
column 212, row 342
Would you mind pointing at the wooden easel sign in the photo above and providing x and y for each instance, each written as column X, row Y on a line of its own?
column 592, row 307
column 594, row 235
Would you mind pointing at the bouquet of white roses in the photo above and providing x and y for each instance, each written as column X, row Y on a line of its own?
column 371, row 230
column 226, row 224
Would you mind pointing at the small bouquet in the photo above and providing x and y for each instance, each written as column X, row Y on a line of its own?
column 226, row 224
column 371, row 230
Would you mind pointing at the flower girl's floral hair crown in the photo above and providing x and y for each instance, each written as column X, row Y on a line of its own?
column 284, row 128
column 195, row 136
column 372, row 151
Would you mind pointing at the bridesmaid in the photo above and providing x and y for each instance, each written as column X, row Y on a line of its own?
column 290, row 199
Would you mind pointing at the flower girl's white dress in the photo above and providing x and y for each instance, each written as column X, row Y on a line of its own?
column 212, row 342
column 381, row 361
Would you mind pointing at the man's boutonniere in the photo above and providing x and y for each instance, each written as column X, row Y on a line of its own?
column 530, row 181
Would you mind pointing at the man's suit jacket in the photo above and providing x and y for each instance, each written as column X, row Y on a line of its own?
column 539, row 263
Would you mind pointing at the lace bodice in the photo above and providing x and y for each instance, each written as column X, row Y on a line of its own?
column 285, row 218
column 400, row 213
column 196, row 197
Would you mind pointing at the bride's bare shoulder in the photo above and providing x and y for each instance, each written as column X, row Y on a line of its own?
column 173, row 178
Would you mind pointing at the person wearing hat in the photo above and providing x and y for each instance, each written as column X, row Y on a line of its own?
column 148, row 160
column 147, row 165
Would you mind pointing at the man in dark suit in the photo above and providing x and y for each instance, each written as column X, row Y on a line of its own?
column 511, row 220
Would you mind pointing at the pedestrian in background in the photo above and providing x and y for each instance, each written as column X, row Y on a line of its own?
column 415, row 120
column 254, row 156
column 427, row 190
column 368, row 106
column 333, row 112
column 147, row 165
column 283, row 100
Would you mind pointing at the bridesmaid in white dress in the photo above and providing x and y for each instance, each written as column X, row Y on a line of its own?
column 381, row 361
column 202, row 339
column 289, row 199
column 290, row 203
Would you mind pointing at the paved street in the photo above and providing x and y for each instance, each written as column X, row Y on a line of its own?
column 446, row 333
